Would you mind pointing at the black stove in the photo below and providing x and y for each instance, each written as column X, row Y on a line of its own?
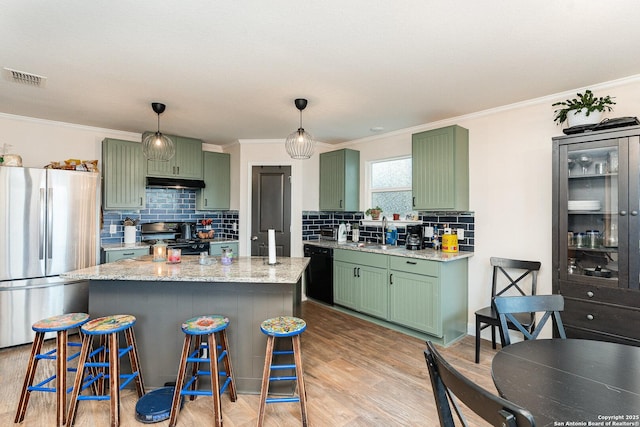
column 169, row 233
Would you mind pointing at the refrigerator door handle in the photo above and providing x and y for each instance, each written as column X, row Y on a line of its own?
column 42, row 227
column 50, row 223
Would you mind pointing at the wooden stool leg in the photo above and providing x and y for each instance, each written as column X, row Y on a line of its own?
column 264, row 390
column 182, row 369
column 135, row 360
column 61, row 377
column 297, row 356
column 77, row 383
column 215, row 379
column 114, row 380
column 28, row 377
column 227, row 365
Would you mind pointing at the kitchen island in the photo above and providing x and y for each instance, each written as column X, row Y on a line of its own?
column 162, row 296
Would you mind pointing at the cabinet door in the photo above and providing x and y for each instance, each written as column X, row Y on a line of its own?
column 216, row 171
column 340, row 180
column 345, row 286
column 123, row 171
column 414, row 301
column 374, row 291
column 440, row 169
column 188, row 160
column 159, row 168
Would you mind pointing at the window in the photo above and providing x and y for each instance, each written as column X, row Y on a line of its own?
column 390, row 185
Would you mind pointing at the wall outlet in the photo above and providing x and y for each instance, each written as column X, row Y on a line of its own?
column 234, row 227
column 460, row 232
column 113, row 229
column 428, row 232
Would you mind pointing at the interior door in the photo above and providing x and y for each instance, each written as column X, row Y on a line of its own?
column 271, row 209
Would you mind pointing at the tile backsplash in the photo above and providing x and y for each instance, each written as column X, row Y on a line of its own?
column 313, row 221
column 168, row 205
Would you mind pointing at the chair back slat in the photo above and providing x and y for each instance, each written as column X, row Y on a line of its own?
column 448, row 385
column 501, row 270
column 550, row 305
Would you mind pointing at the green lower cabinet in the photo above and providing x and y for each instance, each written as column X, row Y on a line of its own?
column 413, row 301
column 115, row 255
column 215, row 248
column 346, row 290
column 373, row 291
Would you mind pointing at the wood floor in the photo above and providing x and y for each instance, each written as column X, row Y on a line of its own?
column 357, row 374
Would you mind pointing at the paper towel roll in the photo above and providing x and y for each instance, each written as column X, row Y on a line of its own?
column 272, row 246
column 129, row 234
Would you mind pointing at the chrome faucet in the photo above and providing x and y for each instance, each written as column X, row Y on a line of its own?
column 384, row 227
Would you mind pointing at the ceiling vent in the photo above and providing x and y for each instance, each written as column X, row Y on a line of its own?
column 24, row 78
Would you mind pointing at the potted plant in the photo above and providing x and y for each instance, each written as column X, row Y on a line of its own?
column 374, row 212
column 584, row 109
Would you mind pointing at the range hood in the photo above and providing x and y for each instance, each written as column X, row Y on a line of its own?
column 153, row 181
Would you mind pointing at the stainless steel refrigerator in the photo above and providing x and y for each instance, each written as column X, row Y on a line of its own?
column 49, row 224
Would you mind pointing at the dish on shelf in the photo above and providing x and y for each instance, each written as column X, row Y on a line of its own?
column 584, row 205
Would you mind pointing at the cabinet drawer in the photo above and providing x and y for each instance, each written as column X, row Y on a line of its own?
column 360, row 258
column 611, row 319
column 596, row 293
column 413, row 265
column 216, row 248
column 111, row 256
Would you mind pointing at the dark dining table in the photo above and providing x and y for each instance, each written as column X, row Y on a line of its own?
column 571, row 382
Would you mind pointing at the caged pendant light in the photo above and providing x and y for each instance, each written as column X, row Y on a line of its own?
column 300, row 144
column 157, row 146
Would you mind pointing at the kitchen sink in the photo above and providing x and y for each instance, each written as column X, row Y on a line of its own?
column 376, row 246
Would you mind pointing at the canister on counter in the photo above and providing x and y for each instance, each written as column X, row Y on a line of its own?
column 449, row 243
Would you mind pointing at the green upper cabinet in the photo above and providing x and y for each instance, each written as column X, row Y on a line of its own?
column 215, row 195
column 187, row 163
column 123, row 170
column 340, row 180
column 441, row 169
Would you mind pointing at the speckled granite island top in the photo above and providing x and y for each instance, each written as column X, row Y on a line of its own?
column 242, row 270
column 428, row 254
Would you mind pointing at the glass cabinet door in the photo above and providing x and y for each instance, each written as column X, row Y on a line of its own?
column 590, row 212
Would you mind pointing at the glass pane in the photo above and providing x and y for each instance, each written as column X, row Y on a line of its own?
column 391, row 174
column 592, row 208
column 392, row 202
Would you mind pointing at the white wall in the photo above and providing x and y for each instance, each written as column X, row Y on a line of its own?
column 510, row 172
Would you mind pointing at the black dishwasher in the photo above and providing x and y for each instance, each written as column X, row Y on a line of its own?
column 319, row 275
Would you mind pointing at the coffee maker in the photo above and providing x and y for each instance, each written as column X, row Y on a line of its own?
column 414, row 237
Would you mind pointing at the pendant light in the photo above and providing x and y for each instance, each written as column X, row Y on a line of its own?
column 299, row 144
column 157, row 146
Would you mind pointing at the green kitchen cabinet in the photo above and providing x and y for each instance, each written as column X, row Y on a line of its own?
column 360, row 283
column 125, row 253
column 215, row 248
column 429, row 296
column 216, row 193
column 440, row 169
column 187, row 162
column 123, row 175
column 340, row 180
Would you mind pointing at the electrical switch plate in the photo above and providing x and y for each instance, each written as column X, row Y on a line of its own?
column 460, row 233
column 428, row 232
column 113, row 228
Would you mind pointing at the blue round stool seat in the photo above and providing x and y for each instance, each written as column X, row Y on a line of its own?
column 108, row 324
column 155, row 406
column 205, row 325
column 61, row 322
column 283, row 326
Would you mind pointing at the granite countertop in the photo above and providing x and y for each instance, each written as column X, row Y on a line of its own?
column 428, row 254
column 242, row 270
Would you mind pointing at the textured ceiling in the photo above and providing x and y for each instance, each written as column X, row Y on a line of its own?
column 231, row 70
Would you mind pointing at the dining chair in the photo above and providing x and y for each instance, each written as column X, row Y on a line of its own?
column 508, row 307
column 449, row 386
column 504, row 283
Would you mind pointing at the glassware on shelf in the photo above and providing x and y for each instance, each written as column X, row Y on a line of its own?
column 585, row 161
column 571, row 163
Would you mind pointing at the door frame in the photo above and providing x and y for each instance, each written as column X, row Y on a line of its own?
column 296, row 205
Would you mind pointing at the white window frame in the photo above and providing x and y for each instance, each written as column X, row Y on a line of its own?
column 369, row 177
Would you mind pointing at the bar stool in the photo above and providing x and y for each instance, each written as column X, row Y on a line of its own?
column 107, row 328
column 194, row 330
column 61, row 325
column 280, row 327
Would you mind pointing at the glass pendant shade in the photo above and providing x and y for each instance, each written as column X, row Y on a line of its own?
column 299, row 144
column 157, row 146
